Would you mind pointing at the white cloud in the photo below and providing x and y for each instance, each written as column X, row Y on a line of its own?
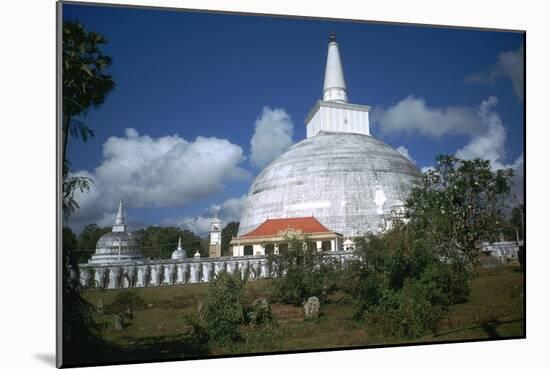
column 412, row 115
column 230, row 210
column 483, row 125
column 490, row 144
column 403, row 151
column 272, row 136
column 156, row 172
column 509, row 65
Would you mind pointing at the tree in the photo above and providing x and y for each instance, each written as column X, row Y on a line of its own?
column 85, row 85
column 70, row 185
column 518, row 221
column 159, row 242
column 81, row 339
column 228, row 232
column 459, row 205
column 125, row 304
column 87, row 240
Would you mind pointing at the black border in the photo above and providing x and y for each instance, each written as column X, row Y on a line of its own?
column 59, row 302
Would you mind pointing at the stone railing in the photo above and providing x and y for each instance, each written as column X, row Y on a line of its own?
column 153, row 273
column 505, row 250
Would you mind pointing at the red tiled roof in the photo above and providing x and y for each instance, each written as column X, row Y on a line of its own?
column 272, row 226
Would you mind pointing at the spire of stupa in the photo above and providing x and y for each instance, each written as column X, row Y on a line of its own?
column 119, row 225
column 335, row 86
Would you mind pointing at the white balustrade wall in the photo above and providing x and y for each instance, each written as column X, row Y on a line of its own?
column 152, row 273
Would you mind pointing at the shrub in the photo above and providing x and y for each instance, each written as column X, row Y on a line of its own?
column 125, row 304
column 301, row 273
column 260, row 312
column 413, row 315
column 445, row 283
column 403, row 284
column 223, row 310
column 196, row 333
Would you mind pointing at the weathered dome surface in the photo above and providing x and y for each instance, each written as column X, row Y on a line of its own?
column 347, row 181
column 114, row 247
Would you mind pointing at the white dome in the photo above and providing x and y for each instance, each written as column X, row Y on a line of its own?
column 349, row 182
column 115, row 247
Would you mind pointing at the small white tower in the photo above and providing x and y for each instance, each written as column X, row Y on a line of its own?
column 334, row 113
column 215, row 249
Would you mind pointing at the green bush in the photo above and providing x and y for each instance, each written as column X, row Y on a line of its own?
column 260, row 312
column 301, row 273
column 445, row 284
column 403, row 284
column 223, row 310
column 413, row 315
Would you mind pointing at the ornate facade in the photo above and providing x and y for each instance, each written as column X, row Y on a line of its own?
column 271, row 237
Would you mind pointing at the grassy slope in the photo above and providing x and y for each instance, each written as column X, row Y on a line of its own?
column 494, row 310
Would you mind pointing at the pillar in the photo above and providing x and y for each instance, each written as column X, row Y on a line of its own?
column 194, row 276
column 114, row 275
column 142, row 276
column 206, row 272
column 168, row 273
column 219, row 267
column 181, row 273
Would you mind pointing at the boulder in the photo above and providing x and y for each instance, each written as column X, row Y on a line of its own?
column 118, row 323
column 311, row 308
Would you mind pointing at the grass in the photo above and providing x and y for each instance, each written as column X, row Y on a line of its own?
column 161, row 328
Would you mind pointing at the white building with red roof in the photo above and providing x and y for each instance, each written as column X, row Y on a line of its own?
column 273, row 234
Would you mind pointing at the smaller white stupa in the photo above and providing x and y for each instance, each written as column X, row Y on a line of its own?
column 116, row 246
column 179, row 253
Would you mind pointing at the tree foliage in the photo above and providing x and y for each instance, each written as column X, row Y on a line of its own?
column 224, row 311
column 85, row 81
column 228, row 232
column 402, row 283
column 81, row 336
column 159, row 242
column 85, row 85
column 72, row 184
column 125, row 304
column 460, row 204
column 87, row 240
column 517, row 221
column 301, row 272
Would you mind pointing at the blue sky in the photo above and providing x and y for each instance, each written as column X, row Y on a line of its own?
column 433, row 90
